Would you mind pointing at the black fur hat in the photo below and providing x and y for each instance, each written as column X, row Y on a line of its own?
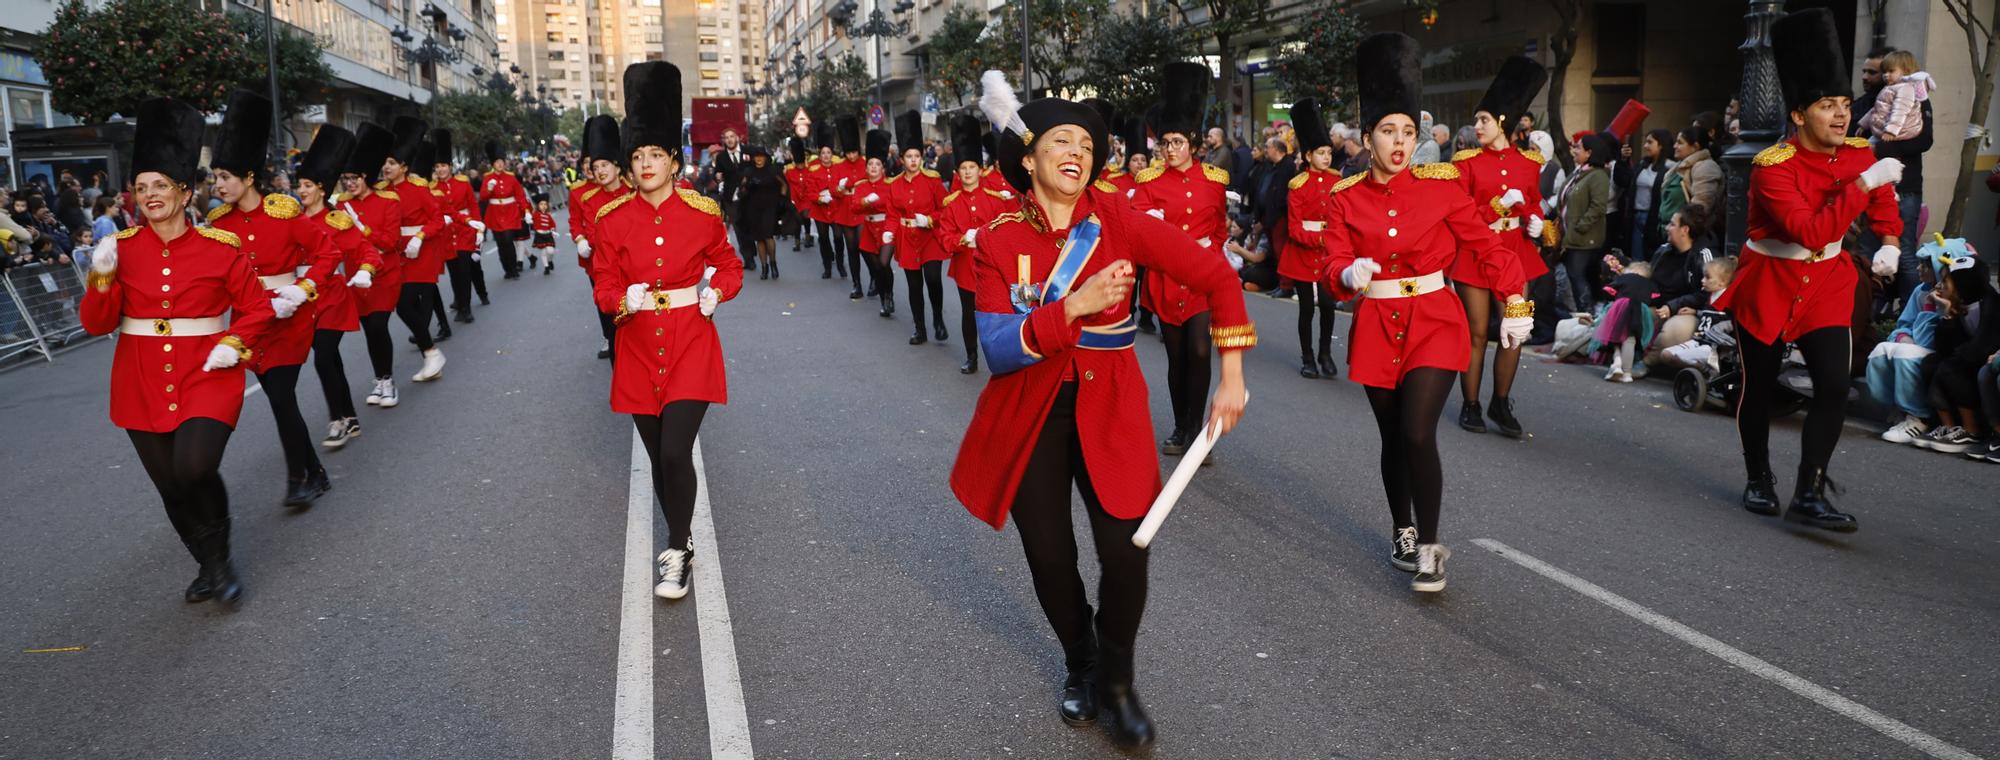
column 493, row 152
column 909, row 131
column 425, row 158
column 796, row 146
column 441, row 147
column 1105, row 111
column 992, row 147
column 1132, row 129
column 168, row 140
column 1184, row 89
column 246, row 131
column 601, row 140
column 1807, row 50
column 409, row 134
column 652, row 107
column 331, row 149
column 1307, row 126
column 965, row 141
column 1513, row 89
column 1020, row 126
column 878, row 147
column 825, row 136
column 848, row 126
column 371, row 148
column 1390, row 75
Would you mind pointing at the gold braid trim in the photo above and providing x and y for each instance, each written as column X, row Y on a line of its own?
column 1234, row 336
column 624, row 311
column 1774, row 155
column 1464, row 154
column 1518, row 310
column 312, row 291
column 101, row 281
column 1434, row 171
column 369, row 268
column 1551, row 236
column 243, row 352
column 1535, row 156
column 1503, row 211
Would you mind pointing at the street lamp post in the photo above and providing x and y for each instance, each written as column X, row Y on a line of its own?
column 879, row 28
column 1760, row 111
column 439, row 46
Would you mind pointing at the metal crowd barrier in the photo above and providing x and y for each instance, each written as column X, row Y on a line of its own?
column 38, row 315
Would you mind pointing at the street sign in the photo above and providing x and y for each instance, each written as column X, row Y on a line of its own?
column 875, row 116
column 802, row 124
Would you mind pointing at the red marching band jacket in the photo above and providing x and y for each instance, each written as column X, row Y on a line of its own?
column 666, row 352
column 506, row 202
column 1032, row 350
column 378, row 215
column 1307, row 208
column 910, row 194
column 967, row 209
column 875, row 217
column 418, row 216
column 1792, row 278
column 460, row 206
column 816, row 174
column 585, row 199
column 162, row 293
column 1486, row 174
column 843, row 210
column 1414, row 226
column 340, row 303
column 1194, row 201
column 283, row 249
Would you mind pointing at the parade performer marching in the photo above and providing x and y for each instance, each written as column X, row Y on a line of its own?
column 419, row 221
column 966, row 211
column 340, row 298
column 435, row 251
column 544, row 231
column 1303, row 257
column 506, row 211
column 818, row 184
column 455, row 199
column 377, row 213
column 1503, row 182
column 795, row 193
column 1390, row 234
column 1067, row 401
column 839, row 185
column 1138, row 158
column 915, row 195
column 1794, row 283
column 1192, row 198
column 652, row 248
column 292, row 257
column 177, row 371
column 877, row 239
column 604, row 162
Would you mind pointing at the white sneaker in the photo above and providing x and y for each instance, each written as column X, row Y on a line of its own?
column 1905, row 431
column 389, row 397
column 375, row 394
column 336, row 434
column 676, row 573
column 433, row 366
column 1430, row 568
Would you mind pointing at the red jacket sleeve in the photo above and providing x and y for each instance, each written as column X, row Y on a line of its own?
column 1166, row 249
column 250, row 315
column 321, row 255
column 728, row 278
column 1810, row 223
column 607, row 279
column 1499, row 265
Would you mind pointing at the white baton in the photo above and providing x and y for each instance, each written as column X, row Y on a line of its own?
column 1177, row 482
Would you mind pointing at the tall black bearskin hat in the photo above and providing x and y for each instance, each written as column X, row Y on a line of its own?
column 1184, row 89
column 1019, row 126
column 1806, row 47
column 825, row 136
column 441, row 147
column 168, row 140
column 371, row 148
column 796, row 147
column 878, row 148
column 1132, row 129
column 992, row 147
column 1391, row 76
column 966, row 144
column 493, row 151
column 909, row 132
column 409, row 134
column 425, row 158
column 601, row 141
column 331, row 149
column 1105, row 111
column 848, row 126
column 652, row 107
column 1307, row 126
column 1513, row 89
column 246, row 130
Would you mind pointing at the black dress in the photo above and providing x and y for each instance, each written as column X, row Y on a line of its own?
column 762, row 195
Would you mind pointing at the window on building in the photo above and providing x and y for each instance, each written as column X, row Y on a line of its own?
column 1621, row 40
column 656, row 56
column 654, row 37
column 710, row 92
column 709, row 57
column 558, row 75
column 555, row 36
column 707, row 39
column 555, row 55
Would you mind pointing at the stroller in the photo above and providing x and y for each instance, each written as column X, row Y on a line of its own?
column 1713, row 376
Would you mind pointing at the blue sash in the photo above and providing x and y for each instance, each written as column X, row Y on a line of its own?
column 1000, row 334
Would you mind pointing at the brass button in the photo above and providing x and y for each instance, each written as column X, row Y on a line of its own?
column 1806, row 279
column 663, row 370
column 1189, row 211
column 1399, row 336
column 659, row 331
column 1392, row 232
column 1503, row 185
column 662, row 352
column 1397, row 360
column 1503, row 173
column 1392, row 212
column 166, row 270
column 163, row 253
column 659, row 262
column 1395, row 315
column 173, row 407
column 659, row 241
column 656, row 220
column 1190, row 194
column 252, row 238
column 1395, row 255
column 169, row 348
column 1184, row 227
column 165, row 304
column 170, row 387
column 165, row 288
column 1088, row 375
column 170, row 368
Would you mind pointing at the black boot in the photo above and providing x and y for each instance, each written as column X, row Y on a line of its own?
column 215, row 566
column 774, row 267
column 1308, row 366
column 1079, row 695
column 1761, row 495
column 1810, row 507
column 763, row 270
column 1327, row 369
column 1131, row 727
column 937, row 329
column 971, row 365
column 1470, row 418
column 918, row 338
column 304, row 491
column 1502, row 414
column 202, row 588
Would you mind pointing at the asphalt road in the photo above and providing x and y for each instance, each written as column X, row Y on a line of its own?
column 458, row 595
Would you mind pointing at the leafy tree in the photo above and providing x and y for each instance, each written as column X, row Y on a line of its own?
column 1316, row 60
column 476, row 117
column 1229, row 20
column 1061, row 45
column 1127, row 52
column 962, row 50
column 842, row 86
column 303, row 76
column 104, row 61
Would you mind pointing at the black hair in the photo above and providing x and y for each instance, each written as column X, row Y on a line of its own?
column 1696, row 136
column 1695, row 217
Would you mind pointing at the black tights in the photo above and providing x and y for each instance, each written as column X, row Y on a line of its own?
column 968, row 324
column 460, row 270
column 669, row 438
column 381, row 351
column 281, row 387
column 931, row 277
column 1042, row 514
column 186, row 468
column 1188, row 352
column 437, row 306
column 880, row 264
column 332, row 374
column 1412, row 475
column 1310, row 295
column 414, row 307
column 1826, row 352
column 1506, row 361
column 831, row 249
column 503, row 243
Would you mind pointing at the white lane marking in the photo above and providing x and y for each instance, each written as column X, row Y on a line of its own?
column 1756, row 666
column 247, row 392
column 728, row 724
column 632, row 712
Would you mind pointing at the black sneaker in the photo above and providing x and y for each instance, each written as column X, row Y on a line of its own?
column 1953, row 440
column 1403, row 550
column 1469, row 417
column 1176, row 444
column 1987, row 453
column 676, row 573
column 1430, row 568
column 1502, row 415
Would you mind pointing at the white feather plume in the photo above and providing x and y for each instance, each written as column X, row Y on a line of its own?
column 998, row 102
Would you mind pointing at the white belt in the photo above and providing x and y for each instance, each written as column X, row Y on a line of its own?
column 499, row 201
column 876, row 217
column 1504, row 224
column 1313, row 226
column 182, row 327
column 276, row 281
column 411, row 231
column 1406, row 287
column 1783, row 249
column 678, row 298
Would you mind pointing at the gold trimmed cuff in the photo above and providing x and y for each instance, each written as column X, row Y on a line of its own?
column 312, row 291
column 1551, row 237
column 1234, row 336
column 370, row 269
column 243, row 352
column 101, row 281
column 1518, row 310
column 624, row 312
column 1499, row 209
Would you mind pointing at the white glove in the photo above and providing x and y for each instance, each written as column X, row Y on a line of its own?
column 1157, row 214
column 528, row 220
column 1511, row 198
column 1514, row 330
column 888, row 237
column 1006, row 195
column 1887, row 259
column 1885, row 171
column 1205, row 243
column 708, row 300
column 476, row 224
column 923, row 222
column 843, row 183
column 1360, row 273
column 410, row 249
column 362, row 279
column 826, row 196
column 293, row 293
column 1534, row 225
column 636, row 298
column 220, row 357
column 870, row 199
column 1233, row 196
column 582, row 248
column 475, row 255
column 104, row 258
column 284, row 309
column 970, row 238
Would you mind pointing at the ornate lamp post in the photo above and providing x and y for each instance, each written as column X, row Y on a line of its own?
column 1761, row 112
column 438, row 46
column 879, row 27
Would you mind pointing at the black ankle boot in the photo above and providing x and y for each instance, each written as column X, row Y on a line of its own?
column 1131, row 727
column 763, row 271
column 202, row 588
column 971, row 365
column 1078, row 706
column 304, row 491
column 215, row 567
column 1760, row 496
column 1810, row 507
column 1308, row 366
column 1327, row 369
column 937, row 329
column 1469, row 417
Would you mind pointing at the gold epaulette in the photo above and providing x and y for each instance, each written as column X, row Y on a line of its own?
column 1011, row 216
column 339, row 198
column 389, row 194
column 993, row 192
column 932, row 174
column 127, row 232
column 591, row 193
column 224, row 237
column 460, row 177
column 1348, row 182
column 1535, row 156
column 339, row 220
column 419, row 181
column 219, row 211
column 1551, row 235
column 615, row 203
column 578, row 183
column 1858, row 142
column 949, row 198
column 1149, row 174
column 1234, row 336
column 699, row 202
column 1434, row 171
column 1104, row 186
column 1774, row 155
column 1215, row 174
column 1464, row 154
column 1299, row 180
column 381, row 184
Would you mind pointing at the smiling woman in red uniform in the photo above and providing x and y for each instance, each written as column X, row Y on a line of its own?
column 339, row 298
column 1390, row 233
column 914, row 195
column 1305, row 217
column 291, row 256
column 652, row 249
column 1795, row 284
column 966, row 211
column 1067, row 402
column 605, row 183
column 377, row 214
column 176, row 373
